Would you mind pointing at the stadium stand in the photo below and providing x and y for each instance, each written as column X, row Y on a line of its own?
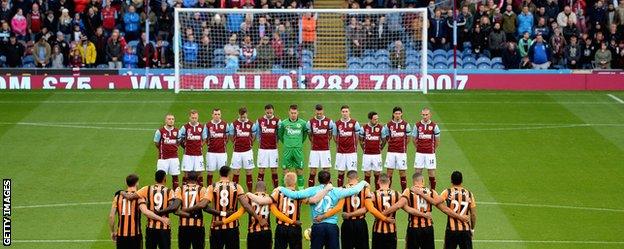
column 574, row 34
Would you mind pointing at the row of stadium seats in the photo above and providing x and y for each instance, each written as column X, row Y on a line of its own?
column 438, row 59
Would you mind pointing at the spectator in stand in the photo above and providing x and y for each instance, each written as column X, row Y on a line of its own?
column 57, row 58
column 368, row 29
column 206, row 50
column 557, row 43
column 248, row 53
column 165, row 20
column 570, row 30
column 541, row 13
column 146, row 53
column 13, row 51
column 497, row 40
column 51, row 22
column 565, row 16
column 75, row 59
column 5, row 11
column 395, row 25
column 5, row 32
column 77, row 21
column 542, row 28
column 465, row 32
column 131, row 21
column 278, row 48
column 164, row 54
column 618, row 61
column 397, row 55
column 480, row 41
column 265, row 54
column 114, row 51
column 109, row 17
column 356, row 37
column 497, row 16
column 75, row 35
column 486, row 25
column 613, row 35
column 190, row 50
column 65, row 24
column 290, row 59
column 511, row 56
column 80, row 6
column 620, row 12
column 234, row 21
column 87, row 52
column 510, row 23
column 263, row 29
column 19, row 24
column 100, row 42
column 540, row 53
column 130, row 59
column 572, row 53
column 308, row 24
column 525, row 21
column 92, row 21
column 63, row 45
column 438, row 32
column 599, row 13
column 524, row 44
column 232, row 53
column 35, row 20
column 603, row 57
column 42, row 52
column 588, row 49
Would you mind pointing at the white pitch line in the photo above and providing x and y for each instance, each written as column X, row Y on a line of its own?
column 482, row 202
column 616, row 98
column 367, row 102
column 495, row 241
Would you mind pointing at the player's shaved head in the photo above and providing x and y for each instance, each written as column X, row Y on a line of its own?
column 191, row 176
column 457, row 178
column 324, row 177
column 426, row 109
column 260, row 186
column 131, row 180
column 418, row 177
column 352, row 175
column 290, row 179
column 169, row 119
column 224, row 171
column 384, row 179
column 426, row 114
column 160, row 176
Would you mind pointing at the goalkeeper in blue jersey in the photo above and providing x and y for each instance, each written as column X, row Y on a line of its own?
column 324, row 233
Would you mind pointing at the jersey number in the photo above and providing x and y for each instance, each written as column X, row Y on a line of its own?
column 158, row 201
column 224, row 198
column 456, row 204
column 355, row 201
column 190, row 198
column 385, row 200
column 421, row 203
column 261, row 210
column 288, row 207
column 125, row 206
column 324, row 206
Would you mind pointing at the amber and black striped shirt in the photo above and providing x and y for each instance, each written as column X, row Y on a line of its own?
column 223, row 195
column 128, row 215
column 383, row 199
column 190, row 195
column 262, row 211
column 355, row 202
column 420, row 204
column 156, row 198
column 461, row 201
column 287, row 206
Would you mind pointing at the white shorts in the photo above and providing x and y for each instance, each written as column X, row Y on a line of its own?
column 192, row 163
column 425, row 160
column 242, row 160
column 171, row 166
column 267, row 158
column 371, row 162
column 346, row 162
column 319, row 159
column 214, row 161
column 396, row 160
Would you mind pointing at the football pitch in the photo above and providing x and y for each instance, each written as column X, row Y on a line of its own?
column 546, row 168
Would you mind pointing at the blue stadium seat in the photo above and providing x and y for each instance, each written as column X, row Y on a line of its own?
column 369, row 53
column 28, row 59
column 498, row 65
column 450, row 53
column 368, row 59
column 450, row 62
column 133, row 44
column 469, row 65
column 306, row 57
column 411, row 67
column 469, row 58
column 277, row 66
column 29, row 65
column 354, row 65
column 439, row 52
column 411, row 64
column 382, row 53
column 484, row 65
column 307, row 52
column 383, row 65
column 354, row 60
column 467, row 45
column 411, row 53
column 102, row 66
column 383, row 60
column 439, row 60
column 369, row 66
column 440, row 65
column 483, row 59
column 497, row 60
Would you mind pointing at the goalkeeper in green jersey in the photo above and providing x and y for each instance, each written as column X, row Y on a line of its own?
column 293, row 132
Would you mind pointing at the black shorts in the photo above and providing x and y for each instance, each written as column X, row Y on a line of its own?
column 419, row 238
column 224, row 238
column 133, row 242
column 191, row 236
column 157, row 238
column 354, row 234
column 260, row 240
column 384, row 241
column 288, row 237
column 463, row 239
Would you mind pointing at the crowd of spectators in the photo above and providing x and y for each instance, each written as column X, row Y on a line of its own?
column 540, row 34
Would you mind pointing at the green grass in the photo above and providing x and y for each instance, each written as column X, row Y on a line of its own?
column 545, row 167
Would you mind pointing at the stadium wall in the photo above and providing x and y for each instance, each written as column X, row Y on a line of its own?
column 328, row 80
